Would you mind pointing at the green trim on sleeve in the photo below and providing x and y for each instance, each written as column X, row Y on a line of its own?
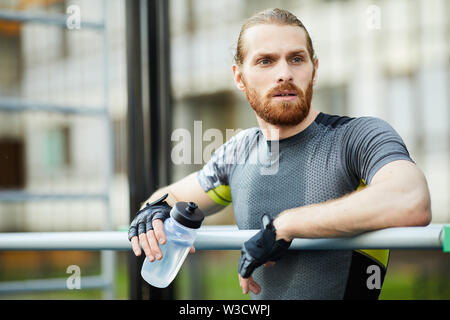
column 221, row 195
column 379, row 255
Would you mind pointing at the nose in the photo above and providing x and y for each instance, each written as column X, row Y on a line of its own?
column 284, row 73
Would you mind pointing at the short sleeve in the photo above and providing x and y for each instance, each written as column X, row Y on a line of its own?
column 370, row 143
column 215, row 174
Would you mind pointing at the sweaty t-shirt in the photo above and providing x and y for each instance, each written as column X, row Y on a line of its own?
column 332, row 157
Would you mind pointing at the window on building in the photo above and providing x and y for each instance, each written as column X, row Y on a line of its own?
column 57, row 148
column 12, row 169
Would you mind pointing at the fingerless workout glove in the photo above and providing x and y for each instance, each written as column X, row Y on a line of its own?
column 142, row 223
column 261, row 248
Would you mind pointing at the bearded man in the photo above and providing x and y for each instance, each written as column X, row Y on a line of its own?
column 316, row 176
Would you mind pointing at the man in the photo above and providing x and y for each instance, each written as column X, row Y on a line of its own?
column 305, row 183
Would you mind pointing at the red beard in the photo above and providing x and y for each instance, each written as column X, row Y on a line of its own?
column 283, row 113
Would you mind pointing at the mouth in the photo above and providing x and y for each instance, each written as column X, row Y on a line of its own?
column 285, row 95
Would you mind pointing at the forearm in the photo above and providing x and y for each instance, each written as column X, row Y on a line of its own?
column 342, row 217
column 186, row 190
column 375, row 207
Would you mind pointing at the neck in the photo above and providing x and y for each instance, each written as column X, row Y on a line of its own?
column 276, row 132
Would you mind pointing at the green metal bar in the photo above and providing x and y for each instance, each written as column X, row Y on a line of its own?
column 446, row 238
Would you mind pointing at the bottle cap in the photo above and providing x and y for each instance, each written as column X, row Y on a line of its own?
column 188, row 214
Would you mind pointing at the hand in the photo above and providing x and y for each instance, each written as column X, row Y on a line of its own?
column 261, row 249
column 147, row 226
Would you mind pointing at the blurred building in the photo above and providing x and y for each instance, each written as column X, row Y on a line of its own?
column 56, row 146
column 388, row 59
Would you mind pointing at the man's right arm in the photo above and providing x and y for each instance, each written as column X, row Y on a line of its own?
column 186, row 189
column 208, row 188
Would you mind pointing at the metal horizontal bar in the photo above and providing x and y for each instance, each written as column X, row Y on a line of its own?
column 16, row 105
column 216, row 238
column 22, row 196
column 22, row 286
column 429, row 237
column 50, row 19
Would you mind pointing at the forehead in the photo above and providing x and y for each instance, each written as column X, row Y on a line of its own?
column 270, row 38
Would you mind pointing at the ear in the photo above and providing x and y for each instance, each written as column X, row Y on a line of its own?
column 237, row 77
column 316, row 66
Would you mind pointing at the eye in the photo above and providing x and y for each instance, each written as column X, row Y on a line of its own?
column 264, row 61
column 297, row 59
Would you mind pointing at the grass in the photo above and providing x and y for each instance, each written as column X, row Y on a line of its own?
column 403, row 286
column 217, row 281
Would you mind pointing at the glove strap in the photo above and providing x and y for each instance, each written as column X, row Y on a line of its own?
column 158, row 201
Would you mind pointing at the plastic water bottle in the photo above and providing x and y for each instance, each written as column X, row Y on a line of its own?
column 180, row 230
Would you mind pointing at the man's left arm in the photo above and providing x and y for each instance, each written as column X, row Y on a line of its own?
column 397, row 196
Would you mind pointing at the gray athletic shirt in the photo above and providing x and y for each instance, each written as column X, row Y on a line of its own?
column 330, row 158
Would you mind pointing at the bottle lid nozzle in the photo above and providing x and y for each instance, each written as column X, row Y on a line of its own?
column 191, row 207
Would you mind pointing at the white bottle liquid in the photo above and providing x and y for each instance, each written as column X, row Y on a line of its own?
column 180, row 230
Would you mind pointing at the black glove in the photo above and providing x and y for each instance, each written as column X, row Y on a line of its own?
column 260, row 248
column 142, row 223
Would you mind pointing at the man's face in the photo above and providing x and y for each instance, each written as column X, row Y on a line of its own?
column 277, row 73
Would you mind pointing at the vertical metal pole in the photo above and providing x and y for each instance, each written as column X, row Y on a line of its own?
column 160, row 89
column 149, row 117
column 159, row 143
column 136, row 169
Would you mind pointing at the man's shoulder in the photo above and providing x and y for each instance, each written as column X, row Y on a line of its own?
column 247, row 132
column 237, row 143
column 339, row 121
column 332, row 120
column 244, row 136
